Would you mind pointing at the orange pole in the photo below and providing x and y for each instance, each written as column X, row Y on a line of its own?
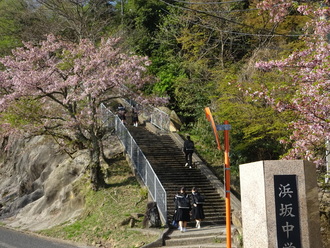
column 209, row 117
column 227, row 170
column 227, row 186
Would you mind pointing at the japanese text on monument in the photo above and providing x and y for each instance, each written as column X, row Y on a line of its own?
column 287, row 211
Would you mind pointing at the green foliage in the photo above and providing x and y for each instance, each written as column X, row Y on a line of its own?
column 167, row 72
column 67, row 61
column 141, row 19
column 200, row 59
column 144, row 193
column 10, row 27
column 7, row 43
column 202, row 56
column 185, row 79
column 24, row 112
column 193, row 42
column 256, row 127
column 191, row 95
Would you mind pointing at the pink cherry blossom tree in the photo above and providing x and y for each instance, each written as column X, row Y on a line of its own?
column 309, row 70
column 56, row 88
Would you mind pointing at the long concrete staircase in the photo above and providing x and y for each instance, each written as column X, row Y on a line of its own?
column 168, row 162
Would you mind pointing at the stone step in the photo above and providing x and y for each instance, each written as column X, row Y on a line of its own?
column 210, row 205
column 209, row 239
column 209, row 194
column 168, row 162
column 208, row 213
column 206, row 205
column 210, row 210
column 207, row 236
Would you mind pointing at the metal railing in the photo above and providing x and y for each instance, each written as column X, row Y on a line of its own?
column 140, row 162
column 160, row 119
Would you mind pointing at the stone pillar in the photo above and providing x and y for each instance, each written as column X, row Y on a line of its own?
column 280, row 207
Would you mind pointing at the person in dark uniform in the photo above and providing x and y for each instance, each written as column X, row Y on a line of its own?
column 188, row 149
column 182, row 208
column 122, row 113
column 197, row 201
column 135, row 117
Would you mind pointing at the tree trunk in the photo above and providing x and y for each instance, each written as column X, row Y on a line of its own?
column 96, row 174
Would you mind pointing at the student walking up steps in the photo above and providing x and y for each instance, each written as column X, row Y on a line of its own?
column 188, row 149
column 197, row 212
column 182, row 207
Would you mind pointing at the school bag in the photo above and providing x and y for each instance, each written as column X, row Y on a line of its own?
column 190, row 146
column 183, row 201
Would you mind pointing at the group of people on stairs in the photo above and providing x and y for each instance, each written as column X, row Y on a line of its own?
column 188, row 206
column 121, row 112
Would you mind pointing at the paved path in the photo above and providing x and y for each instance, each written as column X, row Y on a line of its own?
column 15, row 239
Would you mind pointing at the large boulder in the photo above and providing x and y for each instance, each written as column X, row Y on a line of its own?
column 175, row 122
column 37, row 183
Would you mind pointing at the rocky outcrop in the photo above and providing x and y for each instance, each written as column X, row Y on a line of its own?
column 175, row 122
column 37, row 183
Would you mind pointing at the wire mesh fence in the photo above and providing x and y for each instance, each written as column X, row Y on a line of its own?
column 139, row 161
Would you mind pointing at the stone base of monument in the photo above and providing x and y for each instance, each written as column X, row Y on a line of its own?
column 280, row 207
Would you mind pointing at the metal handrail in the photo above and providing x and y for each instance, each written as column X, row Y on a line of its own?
column 139, row 160
column 160, row 119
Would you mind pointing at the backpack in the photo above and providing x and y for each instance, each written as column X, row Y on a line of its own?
column 190, row 145
column 199, row 199
column 183, row 201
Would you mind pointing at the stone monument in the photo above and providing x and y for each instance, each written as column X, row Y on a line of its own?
column 280, row 207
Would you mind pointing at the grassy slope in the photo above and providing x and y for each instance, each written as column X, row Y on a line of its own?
column 101, row 222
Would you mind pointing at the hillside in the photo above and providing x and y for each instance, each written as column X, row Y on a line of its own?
column 237, row 57
column 45, row 191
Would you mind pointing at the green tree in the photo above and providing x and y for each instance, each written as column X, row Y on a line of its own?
column 26, row 20
column 140, row 19
column 90, row 19
column 10, row 27
column 257, row 128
